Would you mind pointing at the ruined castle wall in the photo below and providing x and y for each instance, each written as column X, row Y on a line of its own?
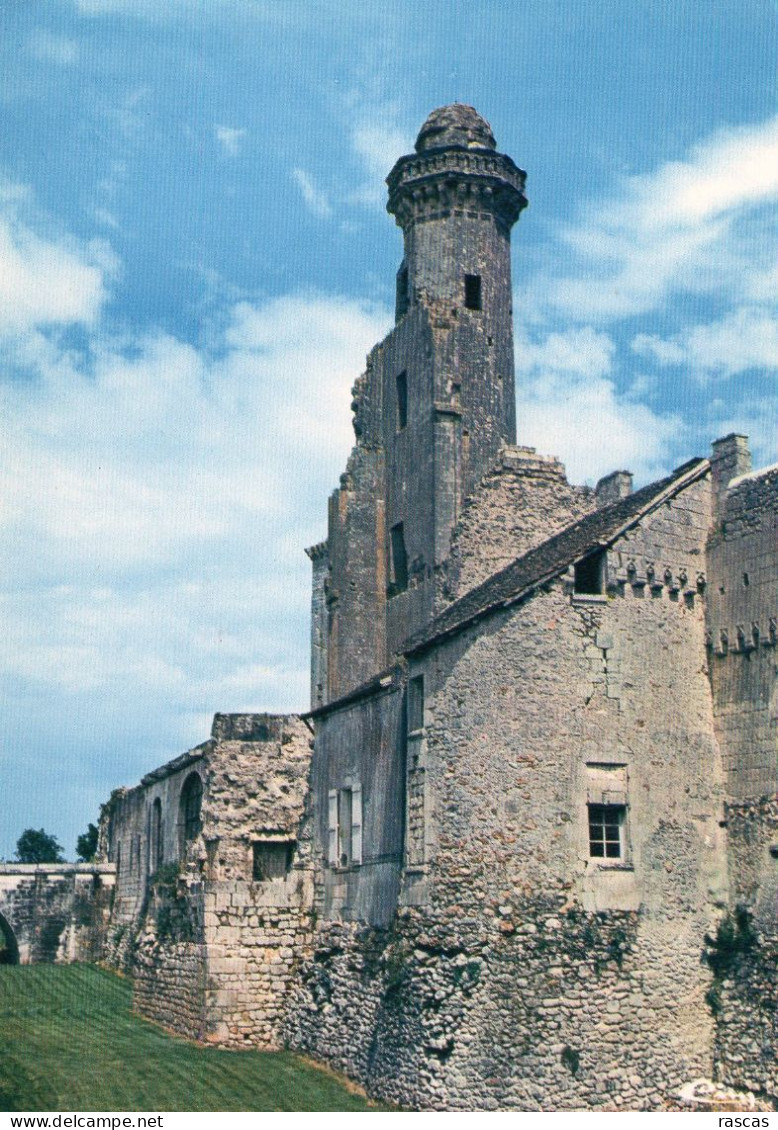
column 522, row 973
column 523, row 501
column 257, row 926
column 214, row 932
column 139, row 846
column 743, row 622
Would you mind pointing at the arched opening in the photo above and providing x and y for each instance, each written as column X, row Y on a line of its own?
column 156, row 844
column 189, row 821
column 9, row 950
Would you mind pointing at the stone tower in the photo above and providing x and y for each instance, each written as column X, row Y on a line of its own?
column 432, row 410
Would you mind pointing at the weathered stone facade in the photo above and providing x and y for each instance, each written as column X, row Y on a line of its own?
column 521, row 853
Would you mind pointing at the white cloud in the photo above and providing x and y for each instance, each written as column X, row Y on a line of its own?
column 378, row 142
column 314, row 197
column 54, row 48
column 46, row 280
column 568, row 405
column 229, row 138
column 157, row 505
column 682, row 227
column 743, row 339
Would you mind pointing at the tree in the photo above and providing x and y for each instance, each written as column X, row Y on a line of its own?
column 38, row 847
column 86, row 844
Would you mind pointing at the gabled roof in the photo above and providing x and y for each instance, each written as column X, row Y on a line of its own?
column 596, row 531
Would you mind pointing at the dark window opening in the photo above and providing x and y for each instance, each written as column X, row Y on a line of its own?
column 606, row 831
column 272, row 859
column 191, row 803
column 398, row 560
column 473, row 292
column 402, row 297
column 156, row 852
column 402, row 400
column 590, row 575
column 416, row 704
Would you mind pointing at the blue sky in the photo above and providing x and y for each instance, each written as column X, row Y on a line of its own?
column 195, row 259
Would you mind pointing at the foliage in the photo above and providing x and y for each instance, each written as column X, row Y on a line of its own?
column 69, row 1041
column 86, row 844
column 38, row 847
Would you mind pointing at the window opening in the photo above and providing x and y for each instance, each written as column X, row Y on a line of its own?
column 190, row 806
column 155, row 846
column 590, row 575
column 402, row 297
column 272, row 859
column 606, row 831
column 398, row 573
column 473, row 292
column 402, row 400
column 345, row 826
column 416, row 704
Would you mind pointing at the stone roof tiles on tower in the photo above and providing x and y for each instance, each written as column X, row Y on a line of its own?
column 455, row 125
column 597, row 530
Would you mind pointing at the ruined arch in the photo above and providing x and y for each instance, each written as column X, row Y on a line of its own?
column 9, row 949
column 189, row 810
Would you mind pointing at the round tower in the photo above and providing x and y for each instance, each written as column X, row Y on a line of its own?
column 456, row 199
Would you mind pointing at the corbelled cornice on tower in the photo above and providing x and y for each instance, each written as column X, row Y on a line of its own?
column 455, row 167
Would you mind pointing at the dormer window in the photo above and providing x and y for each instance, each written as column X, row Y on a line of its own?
column 473, row 292
column 590, row 575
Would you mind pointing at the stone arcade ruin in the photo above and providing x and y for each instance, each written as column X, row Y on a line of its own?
column 521, row 851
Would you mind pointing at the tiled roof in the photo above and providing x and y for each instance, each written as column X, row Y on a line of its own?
column 526, row 573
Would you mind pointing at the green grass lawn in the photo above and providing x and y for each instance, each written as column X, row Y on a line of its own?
column 69, row 1042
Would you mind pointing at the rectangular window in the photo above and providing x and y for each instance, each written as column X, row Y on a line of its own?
column 402, row 400
column 345, row 827
column 398, row 560
column 473, row 292
column 416, row 704
column 272, row 859
column 590, row 575
column 606, row 796
column 606, row 831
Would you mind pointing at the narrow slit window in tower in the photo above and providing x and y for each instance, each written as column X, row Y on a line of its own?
column 416, row 704
column 473, row 292
column 398, row 560
column 402, row 400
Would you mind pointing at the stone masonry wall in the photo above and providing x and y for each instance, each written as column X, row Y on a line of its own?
column 256, row 929
column 520, row 973
column 745, row 958
column 743, row 633
column 523, row 501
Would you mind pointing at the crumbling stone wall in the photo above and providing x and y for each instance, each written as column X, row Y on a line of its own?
column 523, row 501
column 212, row 945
